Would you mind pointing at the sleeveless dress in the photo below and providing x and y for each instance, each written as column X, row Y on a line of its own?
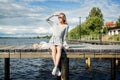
column 59, row 34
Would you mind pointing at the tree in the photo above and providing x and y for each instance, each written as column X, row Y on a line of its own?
column 118, row 22
column 105, row 30
column 94, row 21
column 92, row 25
column 95, row 12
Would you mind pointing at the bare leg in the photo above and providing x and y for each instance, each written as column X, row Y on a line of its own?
column 58, row 55
column 54, row 51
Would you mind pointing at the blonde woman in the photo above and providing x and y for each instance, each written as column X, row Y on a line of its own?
column 57, row 40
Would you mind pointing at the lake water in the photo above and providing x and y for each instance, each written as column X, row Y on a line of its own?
column 40, row 69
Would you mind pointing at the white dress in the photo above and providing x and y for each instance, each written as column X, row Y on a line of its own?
column 59, row 34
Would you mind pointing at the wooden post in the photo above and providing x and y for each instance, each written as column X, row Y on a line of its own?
column 118, row 64
column 59, row 77
column 65, row 69
column 64, row 66
column 7, row 69
column 88, row 63
column 113, row 69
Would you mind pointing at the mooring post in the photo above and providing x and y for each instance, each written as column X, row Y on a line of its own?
column 64, row 66
column 118, row 64
column 7, row 69
column 88, row 63
column 59, row 77
column 113, row 69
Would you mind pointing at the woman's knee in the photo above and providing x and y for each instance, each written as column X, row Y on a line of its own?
column 53, row 48
column 59, row 48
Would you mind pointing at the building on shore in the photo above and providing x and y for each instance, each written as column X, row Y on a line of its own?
column 110, row 24
column 114, row 30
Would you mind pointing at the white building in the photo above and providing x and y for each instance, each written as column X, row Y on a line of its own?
column 114, row 30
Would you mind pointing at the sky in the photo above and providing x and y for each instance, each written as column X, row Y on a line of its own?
column 27, row 18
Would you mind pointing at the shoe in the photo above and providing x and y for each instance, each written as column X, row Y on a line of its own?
column 54, row 71
column 58, row 73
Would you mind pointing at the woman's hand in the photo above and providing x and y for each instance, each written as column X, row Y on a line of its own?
column 56, row 15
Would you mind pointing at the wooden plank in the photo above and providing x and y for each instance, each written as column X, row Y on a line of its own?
column 6, row 47
column 48, row 55
column 75, row 49
column 93, row 56
column 13, row 47
column 35, row 56
column 1, row 46
column 90, row 51
column 19, row 47
column 28, row 47
column 26, row 55
column 83, row 46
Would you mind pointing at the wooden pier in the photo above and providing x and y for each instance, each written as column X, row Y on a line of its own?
column 74, row 51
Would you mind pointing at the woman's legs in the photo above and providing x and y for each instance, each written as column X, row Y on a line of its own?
column 54, row 52
column 58, row 55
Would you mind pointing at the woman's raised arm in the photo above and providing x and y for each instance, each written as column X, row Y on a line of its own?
column 49, row 21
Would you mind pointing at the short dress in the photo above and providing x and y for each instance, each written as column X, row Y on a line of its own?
column 59, row 34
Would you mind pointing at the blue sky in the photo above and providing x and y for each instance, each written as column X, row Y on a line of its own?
column 27, row 17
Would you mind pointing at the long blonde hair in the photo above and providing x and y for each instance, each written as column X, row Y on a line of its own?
column 64, row 18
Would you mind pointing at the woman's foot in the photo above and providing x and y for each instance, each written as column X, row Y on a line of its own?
column 56, row 71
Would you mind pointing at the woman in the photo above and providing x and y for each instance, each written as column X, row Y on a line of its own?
column 57, row 40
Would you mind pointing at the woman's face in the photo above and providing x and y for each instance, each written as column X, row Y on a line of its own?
column 60, row 17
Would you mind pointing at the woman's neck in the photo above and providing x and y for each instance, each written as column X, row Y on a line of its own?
column 61, row 25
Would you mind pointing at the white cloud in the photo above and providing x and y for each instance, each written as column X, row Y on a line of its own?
column 23, row 29
column 51, row 0
column 69, row 0
column 73, row 20
column 19, row 9
column 4, row 0
column 33, row 0
column 8, row 30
